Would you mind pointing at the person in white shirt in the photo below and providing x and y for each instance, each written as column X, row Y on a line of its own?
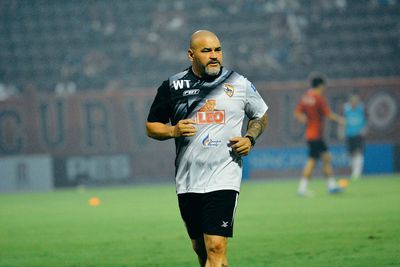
column 203, row 109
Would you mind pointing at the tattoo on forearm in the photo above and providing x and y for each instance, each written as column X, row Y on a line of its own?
column 255, row 127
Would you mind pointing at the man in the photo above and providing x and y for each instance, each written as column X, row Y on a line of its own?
column 355, row 129
column 312, row 110
column 205, row 106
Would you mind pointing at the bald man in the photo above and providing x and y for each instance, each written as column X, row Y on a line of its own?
column 202, row 109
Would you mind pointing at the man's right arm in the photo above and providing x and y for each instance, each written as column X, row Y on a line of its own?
column 330, row 114
column 159, row 131
column 300, row 116
column 162, row 131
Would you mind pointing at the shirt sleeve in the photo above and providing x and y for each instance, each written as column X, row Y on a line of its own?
column 300, row 106
column 255, row 106
column 161, row 109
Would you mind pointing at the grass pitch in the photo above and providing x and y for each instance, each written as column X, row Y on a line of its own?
column 141, row 226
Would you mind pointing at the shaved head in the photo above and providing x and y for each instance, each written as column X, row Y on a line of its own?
column 205, row 53
column 201, row 35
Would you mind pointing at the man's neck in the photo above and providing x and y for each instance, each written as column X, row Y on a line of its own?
column 317, row 90
column 195, row 73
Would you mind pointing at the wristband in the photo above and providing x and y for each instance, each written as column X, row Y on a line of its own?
column 252, row 140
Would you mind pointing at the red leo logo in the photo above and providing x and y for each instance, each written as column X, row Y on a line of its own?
column 207, row 114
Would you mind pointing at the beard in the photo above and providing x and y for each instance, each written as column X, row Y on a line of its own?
column 213, row 71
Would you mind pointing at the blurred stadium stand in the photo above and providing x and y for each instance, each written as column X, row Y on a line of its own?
column 82, row 45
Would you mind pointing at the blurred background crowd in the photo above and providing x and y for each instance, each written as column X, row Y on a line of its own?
column 68, row 46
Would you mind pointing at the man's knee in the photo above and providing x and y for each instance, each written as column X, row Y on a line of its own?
column 326, row 157
column 216, row 245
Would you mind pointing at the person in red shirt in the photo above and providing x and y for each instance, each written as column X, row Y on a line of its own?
column 312, row 109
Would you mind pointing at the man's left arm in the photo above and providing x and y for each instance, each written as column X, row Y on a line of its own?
column 255, row 127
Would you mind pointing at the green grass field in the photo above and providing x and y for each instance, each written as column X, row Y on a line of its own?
column 141, row 226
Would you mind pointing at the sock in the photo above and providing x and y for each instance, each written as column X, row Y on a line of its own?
column 331, row 183
column 357, row 165
column 303, row 185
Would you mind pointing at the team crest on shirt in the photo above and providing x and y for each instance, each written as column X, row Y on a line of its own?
column 229, row 89
column 208, row 114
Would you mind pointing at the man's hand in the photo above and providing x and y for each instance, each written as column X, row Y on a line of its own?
column 341, row 121
column 241, row 145
column 337, row 118
column 184, row 128
column 301, row 117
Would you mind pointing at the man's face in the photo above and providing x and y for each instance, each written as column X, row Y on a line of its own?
column 206, row 56
column 354, row 100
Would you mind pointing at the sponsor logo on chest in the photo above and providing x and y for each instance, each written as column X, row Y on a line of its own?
column 209, row 142
column 184, row 85
column 211, row 117
column 208, row 114
column 181, row 84
column 191, row 92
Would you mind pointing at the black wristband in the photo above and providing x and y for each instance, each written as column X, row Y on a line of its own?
column 252, row 140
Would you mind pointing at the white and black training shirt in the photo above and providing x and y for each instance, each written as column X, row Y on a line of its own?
column 205, row 162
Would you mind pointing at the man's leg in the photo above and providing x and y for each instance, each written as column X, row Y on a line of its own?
column 356, row 149
column 307, row 173
column 189, row 206
column 357, row 164
column 200, row 249
column 216, row 250
column 309, row 168
column 326, row 164
column 328, row 173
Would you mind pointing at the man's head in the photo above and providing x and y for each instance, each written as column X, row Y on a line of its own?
column 317, row 80
column 205, row 54
column 354, row 100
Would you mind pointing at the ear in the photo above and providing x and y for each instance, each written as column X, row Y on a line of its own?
column 190, row 54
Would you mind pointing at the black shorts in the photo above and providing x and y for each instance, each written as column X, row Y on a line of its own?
column 355, row 143
column 209, row 213
column 316, row 148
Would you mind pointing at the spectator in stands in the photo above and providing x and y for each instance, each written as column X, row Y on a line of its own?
column 64, row 88
column 8, row 90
